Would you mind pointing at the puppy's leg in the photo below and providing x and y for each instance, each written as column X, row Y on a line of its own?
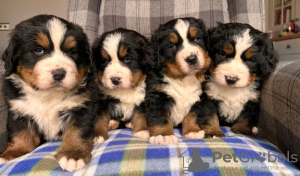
column 101, row 128
column 160, row 126
column 139, row 125
column 77, row 142
column 22, row 140
column 246, row 122
column 190, row 128
column 207, row 118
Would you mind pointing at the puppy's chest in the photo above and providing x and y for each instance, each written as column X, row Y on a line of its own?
column 232, row 100
column 185, row 92
column 129, row 99
column 45, row 109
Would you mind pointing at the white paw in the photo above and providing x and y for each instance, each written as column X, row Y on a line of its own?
column 71, row 165
column 255, row 130
column 163, row 140
column 113, row 124
column 195, row 135
column 128, row 125
column 142, row 134
column 99, row 140
column 2, row 160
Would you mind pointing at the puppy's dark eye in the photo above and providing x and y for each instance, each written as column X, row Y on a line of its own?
column 39, row 51
column 72, row 52
column 126, row 60
column 222, row 54
column 172, row 46
column 197, row 39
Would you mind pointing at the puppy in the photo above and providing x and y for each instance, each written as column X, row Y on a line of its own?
column 178, row 60
column 50, row 88
column 119, row 56
column 241, row 58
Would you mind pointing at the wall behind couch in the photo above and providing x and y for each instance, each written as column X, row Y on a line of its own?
column 15, row 11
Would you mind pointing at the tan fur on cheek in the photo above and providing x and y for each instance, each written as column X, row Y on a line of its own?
column 251, row 78
column 137, row 78
column 28, row 76
column 228, row 49
column 174, row 71
column 99, row 75
column 70, row 42
column 81, row 73
column 207, row 63
column 43, row 40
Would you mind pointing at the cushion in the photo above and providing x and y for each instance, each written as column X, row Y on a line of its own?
column 124, row 154
column 280, row 101
column 3, row 113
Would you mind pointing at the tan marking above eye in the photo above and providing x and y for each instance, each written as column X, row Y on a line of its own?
column 104, row 54
column 193, row 32
column 122, row 51
column 228, row 49
column 249, row 53
column 43, row 40
column 70, row 42
column 173, row 38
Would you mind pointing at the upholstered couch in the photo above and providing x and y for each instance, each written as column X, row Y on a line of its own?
column 122, row 154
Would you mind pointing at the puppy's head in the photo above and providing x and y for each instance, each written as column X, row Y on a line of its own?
column 118, row 56
column 48, row 52
column 179, row 47
column 240, row 54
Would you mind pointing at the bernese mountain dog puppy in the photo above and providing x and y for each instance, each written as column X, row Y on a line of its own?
column 119, row 58
column 178, row 58
column 241, row 58
column 50, row 89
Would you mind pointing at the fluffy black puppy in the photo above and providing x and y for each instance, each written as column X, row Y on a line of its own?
column 241, row 58
column 179, row 58
column 50, row 89
column 119, row 57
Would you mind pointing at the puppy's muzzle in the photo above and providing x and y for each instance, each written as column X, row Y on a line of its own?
column 58, row 74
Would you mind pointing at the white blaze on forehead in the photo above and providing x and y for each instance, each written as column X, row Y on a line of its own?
column 182, row 28
column 243, row 42
column 57, row 32
column 111, row 45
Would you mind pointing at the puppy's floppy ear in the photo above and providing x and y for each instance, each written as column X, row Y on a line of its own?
column 270, row 60
column 9, row 58
column 151, row 60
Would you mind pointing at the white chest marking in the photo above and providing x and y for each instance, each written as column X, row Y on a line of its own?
column 185, row 92
column 44, row 107
column 233, row 99
column 129, row 99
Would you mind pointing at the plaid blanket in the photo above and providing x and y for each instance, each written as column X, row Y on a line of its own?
column 123, row 154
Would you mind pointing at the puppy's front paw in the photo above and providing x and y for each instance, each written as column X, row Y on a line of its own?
column 113, row 124
column 99, row 140
column 163, row 140
column 2, row 160
column 195, row 135
column 142, row 134
column 71, row 165
column 72, row 160
column 214, row 134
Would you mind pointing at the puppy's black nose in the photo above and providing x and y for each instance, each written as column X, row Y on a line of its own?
column 191, row 60
column 58, row 74
column 231, row 80
column 116, row 80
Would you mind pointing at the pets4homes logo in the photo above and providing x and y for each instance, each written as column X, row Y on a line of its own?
column 195, row 163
